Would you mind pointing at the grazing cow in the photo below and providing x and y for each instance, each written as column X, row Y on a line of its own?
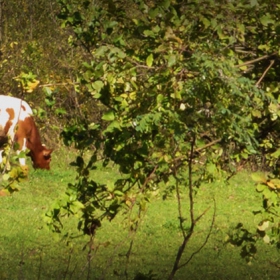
column 17, row 124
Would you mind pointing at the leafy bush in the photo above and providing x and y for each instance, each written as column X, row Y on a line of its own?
column 186, row 94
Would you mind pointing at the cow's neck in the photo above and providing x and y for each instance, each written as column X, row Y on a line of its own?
column 31, row 139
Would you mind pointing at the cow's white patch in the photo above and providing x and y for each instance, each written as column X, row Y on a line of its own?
column 22, row 161
column 4, row 118
column 20, row 108
column 14, row 110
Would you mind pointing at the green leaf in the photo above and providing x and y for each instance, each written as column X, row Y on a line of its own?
column 98, row 85
column 213, row 23
column 211, row 168
column 118, row 193
column 101, row 51
column 171, row 60
column 165, row 4
column 149, row 60
column 276, row 154
column 121, row 54
column 153, row 13
column 261, row 187
column 156, row 29
column 266, row 20
column 113, row 126
column 76, row 207
column 47, row 91
column 253, row 3
column 6, row 177
column 259, row 178
column 60, row 111
column 136, row 21
column 267, row 193
column 264, row 47
column 205, row 21
column 108, row 116
column 149, row 33
column 160, row 98
column 257, row 113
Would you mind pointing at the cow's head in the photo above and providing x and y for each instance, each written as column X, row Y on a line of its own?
column 42, row 158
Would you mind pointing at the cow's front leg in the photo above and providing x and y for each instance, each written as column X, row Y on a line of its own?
column 22, row 160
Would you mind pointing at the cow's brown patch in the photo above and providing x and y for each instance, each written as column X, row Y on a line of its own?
column 11, row 113
column 40, row 155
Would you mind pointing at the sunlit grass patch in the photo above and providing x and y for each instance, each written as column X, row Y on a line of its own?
column 29, row 251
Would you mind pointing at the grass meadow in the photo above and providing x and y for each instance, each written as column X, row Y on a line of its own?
column 29, row 251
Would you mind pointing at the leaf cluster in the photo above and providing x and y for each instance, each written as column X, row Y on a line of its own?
column 11, row 172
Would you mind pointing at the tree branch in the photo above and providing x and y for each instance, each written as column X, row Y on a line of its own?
column 208, row 145
column 206, row 239
column 256, row 60
column 264, row 73
column 187, row 236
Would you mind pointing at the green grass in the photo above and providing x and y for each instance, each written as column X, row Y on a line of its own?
column 29, row 251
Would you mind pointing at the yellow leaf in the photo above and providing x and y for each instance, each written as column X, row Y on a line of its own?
column 263, row 225
column 275, row 182
column 31, row 86
column 182, row 107
column 271, row 185
column 132, row 95
column 266, row 239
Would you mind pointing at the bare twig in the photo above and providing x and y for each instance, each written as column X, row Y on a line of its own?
column 191, row 184
column 114, row 255
column 181, row 221
column 201, row 215
column 191, row 212
column 137, row 223
column 68, row 264
column 206, row 239
column 256, row 60
column 208, row 145
column 181, row 160
column 264, row 73
column 90, row 256
column 149, row 177
column 58, row 84
column 274, row 264
column 187, row 235
column 138, row 65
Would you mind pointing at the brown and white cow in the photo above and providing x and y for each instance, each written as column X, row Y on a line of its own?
column 17, row 124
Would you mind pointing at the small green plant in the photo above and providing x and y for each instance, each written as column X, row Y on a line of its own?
column 27, row 81
column 267, row 216
column 11, row 172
